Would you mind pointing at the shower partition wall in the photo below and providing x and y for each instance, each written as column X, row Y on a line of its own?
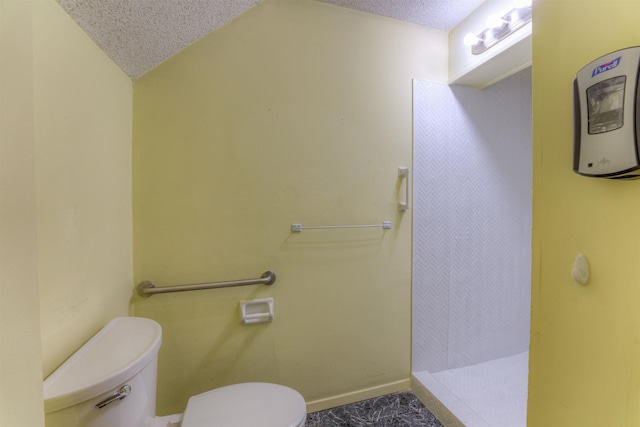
column 472, row 239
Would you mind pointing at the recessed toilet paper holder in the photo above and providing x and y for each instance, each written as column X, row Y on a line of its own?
column 256, row 311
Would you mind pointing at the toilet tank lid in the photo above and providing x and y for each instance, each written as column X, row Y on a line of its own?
column 114, row 355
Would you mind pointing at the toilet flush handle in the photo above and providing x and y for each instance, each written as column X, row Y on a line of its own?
column 117, row 395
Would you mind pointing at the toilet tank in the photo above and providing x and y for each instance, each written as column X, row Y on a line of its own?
column 123, row 353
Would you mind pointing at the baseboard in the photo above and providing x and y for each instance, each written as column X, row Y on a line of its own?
column 358, row 395
column 433, row 404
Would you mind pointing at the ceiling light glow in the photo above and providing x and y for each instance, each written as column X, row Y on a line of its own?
column 521, row 3
column 499, row 28
column 471, row 39
column 494, row 21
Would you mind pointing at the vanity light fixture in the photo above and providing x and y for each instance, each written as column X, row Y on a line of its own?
column 500, row 27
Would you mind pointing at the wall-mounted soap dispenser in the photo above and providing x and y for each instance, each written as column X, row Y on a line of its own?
column 607, row 117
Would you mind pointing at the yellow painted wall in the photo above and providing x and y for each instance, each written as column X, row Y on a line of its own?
column 585, row 346
column 65, row 197
column 20, row 369
column 82, row 134
column 295, row 112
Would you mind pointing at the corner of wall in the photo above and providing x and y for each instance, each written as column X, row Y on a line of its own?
column 20, row 352
column 82, row 139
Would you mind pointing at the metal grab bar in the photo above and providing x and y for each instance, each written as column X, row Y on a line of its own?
column 404, row 173
column 147, row 288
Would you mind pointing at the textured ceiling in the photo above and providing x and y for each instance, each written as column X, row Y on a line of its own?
column 140, row 34
column 439, row 14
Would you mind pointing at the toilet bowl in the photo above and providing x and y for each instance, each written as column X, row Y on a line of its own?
column 111, row 381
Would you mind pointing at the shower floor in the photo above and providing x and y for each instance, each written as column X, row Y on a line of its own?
column 491, row 394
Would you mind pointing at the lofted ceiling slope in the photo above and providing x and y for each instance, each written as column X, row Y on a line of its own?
column 140, row 34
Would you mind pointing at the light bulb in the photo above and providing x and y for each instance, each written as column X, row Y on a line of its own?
column 521, row 3
column 494, row 21
column 471, row 39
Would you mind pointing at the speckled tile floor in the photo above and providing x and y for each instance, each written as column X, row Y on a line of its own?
column 392, row 410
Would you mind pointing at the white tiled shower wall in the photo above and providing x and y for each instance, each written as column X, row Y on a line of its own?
column 472, row 222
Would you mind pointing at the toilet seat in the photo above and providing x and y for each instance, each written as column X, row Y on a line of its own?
column 246, row 405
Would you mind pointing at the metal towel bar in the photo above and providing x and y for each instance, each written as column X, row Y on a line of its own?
column 297, row 228
column 147, row 288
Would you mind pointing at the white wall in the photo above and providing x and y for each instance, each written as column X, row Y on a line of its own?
column 472, row 222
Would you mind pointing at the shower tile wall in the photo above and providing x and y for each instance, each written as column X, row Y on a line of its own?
column 472, row 222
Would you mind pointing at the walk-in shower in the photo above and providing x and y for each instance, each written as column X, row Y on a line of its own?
column 472, row 250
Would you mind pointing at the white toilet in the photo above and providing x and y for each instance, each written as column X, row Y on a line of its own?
column 111, row 381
